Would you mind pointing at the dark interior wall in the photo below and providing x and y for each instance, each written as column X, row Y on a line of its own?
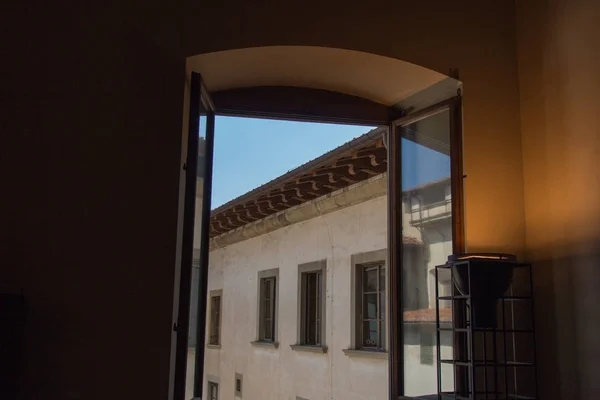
column 91, row 144
column 559, row 63
column 91, row 128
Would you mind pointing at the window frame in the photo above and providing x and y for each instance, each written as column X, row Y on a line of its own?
column 209, row 388
column 199, row 103
column 320, row 268
column 395, row 300
column 211, row 325
column 257, row 106
column 267, row 311
column 361, row 318
column 265, row 276
column 238, row 393
column 359, row 262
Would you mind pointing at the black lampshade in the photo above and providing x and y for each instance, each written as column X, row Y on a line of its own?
column 490, row 277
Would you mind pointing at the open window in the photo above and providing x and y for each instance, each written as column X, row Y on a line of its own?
column 197, row 166
column 370, row 306
column 312, row 304
column 426, row 212
column 214, row 337
column 268, row 297
column 394, row 309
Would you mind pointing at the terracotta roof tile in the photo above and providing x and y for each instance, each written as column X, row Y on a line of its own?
column 411, row 240
column 427, row 315
column 428, row 184
column 352, row 162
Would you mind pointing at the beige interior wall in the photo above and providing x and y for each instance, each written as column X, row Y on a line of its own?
column 384, row 80
column 559, row 64
column 91, row 141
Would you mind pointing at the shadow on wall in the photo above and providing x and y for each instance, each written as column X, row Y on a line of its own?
column 560, row 128
column 567, row 318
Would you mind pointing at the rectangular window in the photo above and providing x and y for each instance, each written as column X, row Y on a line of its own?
column 311, row 308
column 213, row 391
column 268, row 290
column 215, row 321
column 370, row 303
column 238, row 385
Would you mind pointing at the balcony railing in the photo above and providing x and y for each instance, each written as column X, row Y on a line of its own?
column 431, row 212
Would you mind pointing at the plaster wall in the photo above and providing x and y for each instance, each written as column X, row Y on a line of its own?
column 559, row 96
column 284, row 373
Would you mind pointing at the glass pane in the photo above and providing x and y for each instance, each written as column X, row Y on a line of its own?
column 370, row 306
column 312, row 287
column 382, row 304
column 370, row 279
column 268, row 329
column 427, row 242
column 267, row 289
column 382, row 278
column 311, row 312
column 214, row 321
column 370, row 334
column 267, row 309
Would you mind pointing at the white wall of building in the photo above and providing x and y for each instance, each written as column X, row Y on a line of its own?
column 284, row 373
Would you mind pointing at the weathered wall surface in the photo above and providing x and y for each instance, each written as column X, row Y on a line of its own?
column 560, row 92
column 284, row 373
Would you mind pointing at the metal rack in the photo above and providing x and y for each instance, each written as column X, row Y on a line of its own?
column 489, row 363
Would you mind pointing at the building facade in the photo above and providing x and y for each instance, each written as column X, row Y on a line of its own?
column 297, row 299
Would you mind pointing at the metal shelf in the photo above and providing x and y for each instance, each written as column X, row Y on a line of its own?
column 506, row 298
column 498, row 396
column 465, row 363
column 466, row 330
column 515, row 264
column 482, row 351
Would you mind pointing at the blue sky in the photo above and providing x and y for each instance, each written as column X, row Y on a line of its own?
column 420, row 164
column 250, row 152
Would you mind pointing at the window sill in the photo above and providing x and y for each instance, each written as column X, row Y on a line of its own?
column 309, row 348
column 213, row 346
column 261, row 343
column 366, row 353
